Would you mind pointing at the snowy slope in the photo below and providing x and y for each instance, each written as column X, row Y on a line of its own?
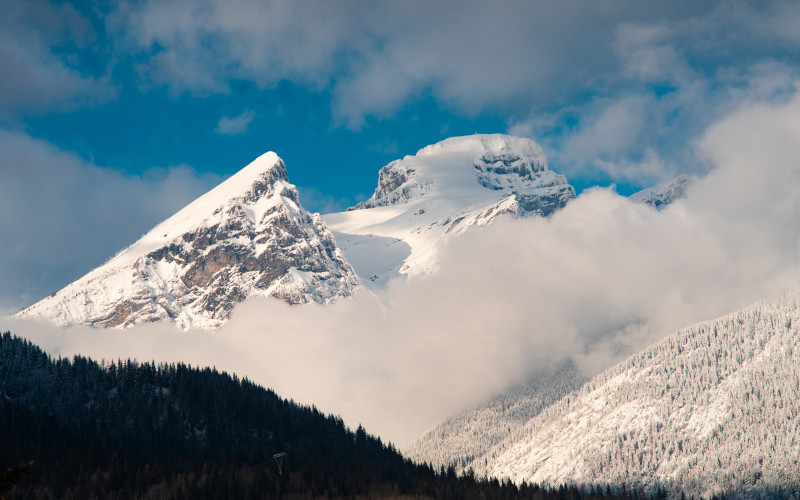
column 443, row 190
column 713, row 408
column 468, row 435
column 662, row 195
column 248, row 236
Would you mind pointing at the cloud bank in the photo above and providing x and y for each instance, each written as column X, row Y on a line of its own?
column 600, row 278
column 584, row 78
column 615, row 91
column 374, row 57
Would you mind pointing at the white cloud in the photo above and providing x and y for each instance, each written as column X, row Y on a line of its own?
column 215, row 41
column 614, row 131
column 516, row 296
column 649, row 54
column 641, row 137
column 236, row 124
column 510, row 56
column 61, row 215
column 374, row 57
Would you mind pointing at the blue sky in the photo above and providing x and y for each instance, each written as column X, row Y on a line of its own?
column 115, row 114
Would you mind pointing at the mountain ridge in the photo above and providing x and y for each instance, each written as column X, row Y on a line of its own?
column 709, row 409
column 247, row 236
column 442, row 191
column 468, row 435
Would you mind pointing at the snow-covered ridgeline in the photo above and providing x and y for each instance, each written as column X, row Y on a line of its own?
column 445, row 189
column 712, row 408
column 468, row 435
column 248, row 236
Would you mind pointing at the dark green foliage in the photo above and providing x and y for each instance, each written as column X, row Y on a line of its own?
column 131, row 430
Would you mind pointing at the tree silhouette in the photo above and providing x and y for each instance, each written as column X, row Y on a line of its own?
column 12, row 477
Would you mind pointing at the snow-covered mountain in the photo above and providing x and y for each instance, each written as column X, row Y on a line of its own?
column 248, row 236
column 712, row 408
column 460, row 439
column 662, row 195
column 443, row 190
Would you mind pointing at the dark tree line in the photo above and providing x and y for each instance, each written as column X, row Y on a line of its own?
column 170, row 431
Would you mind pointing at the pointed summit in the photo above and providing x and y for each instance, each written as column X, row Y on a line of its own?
column 248, row 236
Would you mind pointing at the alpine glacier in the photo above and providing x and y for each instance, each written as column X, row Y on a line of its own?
column 248, row 236
column 443, row 190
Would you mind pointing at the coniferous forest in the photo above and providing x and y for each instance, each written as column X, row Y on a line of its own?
column 170, row 431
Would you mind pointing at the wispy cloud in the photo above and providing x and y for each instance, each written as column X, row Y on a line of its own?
column 645, row 136
column 675, row 76
column 236, row 124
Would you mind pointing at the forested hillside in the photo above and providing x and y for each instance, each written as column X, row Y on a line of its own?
column 464, row 437
column 131, row 430
column 713, row 408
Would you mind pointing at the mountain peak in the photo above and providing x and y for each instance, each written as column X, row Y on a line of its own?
column 247, row 236
column 444, row 190
column 262, row 184
column 465, row 167
column 662, row 195
column 253, row 181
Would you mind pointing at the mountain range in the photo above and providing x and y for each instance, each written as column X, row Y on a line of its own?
column 710, row 409
column 250, row 236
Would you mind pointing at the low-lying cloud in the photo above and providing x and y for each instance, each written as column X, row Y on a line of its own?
column 602, row 277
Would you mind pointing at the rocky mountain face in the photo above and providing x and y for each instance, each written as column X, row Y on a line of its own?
column 512, row 166
column 711, row 409
column 662, row 195
column 248, row 236
column 444, row 190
